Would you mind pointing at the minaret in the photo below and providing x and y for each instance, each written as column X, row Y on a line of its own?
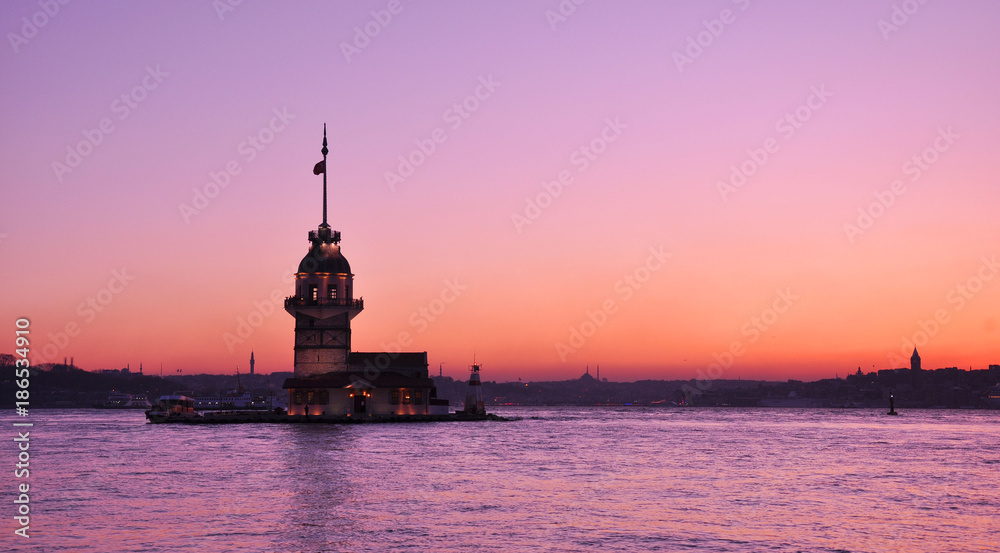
column 915, row 361
column 323, row 304
column 251, row 362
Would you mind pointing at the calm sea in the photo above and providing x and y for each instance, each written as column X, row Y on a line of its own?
column 558, row 479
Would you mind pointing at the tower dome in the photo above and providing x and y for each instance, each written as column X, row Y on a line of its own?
column 324, row 257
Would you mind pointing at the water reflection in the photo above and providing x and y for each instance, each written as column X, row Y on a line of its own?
column 319, row 484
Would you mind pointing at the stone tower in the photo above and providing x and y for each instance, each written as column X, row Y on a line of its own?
column 323, row 304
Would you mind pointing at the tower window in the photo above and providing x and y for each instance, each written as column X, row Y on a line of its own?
column 331, row 292
column 313, row 292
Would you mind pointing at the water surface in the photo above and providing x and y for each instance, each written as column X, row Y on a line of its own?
column 558, row 479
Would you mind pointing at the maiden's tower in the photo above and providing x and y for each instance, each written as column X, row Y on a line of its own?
column 329, row 378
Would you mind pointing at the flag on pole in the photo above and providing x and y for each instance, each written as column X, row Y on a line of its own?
column 320, row 168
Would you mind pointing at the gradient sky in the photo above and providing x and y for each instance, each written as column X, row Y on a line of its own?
column 929, row 86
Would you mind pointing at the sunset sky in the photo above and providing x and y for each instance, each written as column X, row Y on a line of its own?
column 811, row 184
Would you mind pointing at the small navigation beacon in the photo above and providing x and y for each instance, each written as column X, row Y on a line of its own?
column 474, row 398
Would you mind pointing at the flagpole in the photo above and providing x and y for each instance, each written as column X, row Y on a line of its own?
column 325, row 151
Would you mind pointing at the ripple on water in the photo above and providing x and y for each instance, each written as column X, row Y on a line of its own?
column 567, row 479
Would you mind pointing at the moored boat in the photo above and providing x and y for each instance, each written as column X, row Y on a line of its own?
column 172, row 407
column 239, row 399
column 992, row 398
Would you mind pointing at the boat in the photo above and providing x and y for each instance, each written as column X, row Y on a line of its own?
column 238, row 399
column 173, row 407
column 119, row 400
column 992, row 398
column 228, row 400
column 664, row 403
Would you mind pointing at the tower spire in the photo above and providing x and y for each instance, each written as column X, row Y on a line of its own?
column 324, row 151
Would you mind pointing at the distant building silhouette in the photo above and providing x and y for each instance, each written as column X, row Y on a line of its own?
column 915, row 361
column 251, row 362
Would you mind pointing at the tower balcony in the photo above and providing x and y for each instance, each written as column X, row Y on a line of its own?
column 296, row 301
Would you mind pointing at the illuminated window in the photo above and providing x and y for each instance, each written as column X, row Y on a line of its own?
column 313, row 292
column 331, row 292
column 406, row 397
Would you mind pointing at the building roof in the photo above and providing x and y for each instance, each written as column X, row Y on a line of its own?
column 355, row 379
column 385, row 360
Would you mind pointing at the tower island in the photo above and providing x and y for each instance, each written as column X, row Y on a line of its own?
column 332, row 383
